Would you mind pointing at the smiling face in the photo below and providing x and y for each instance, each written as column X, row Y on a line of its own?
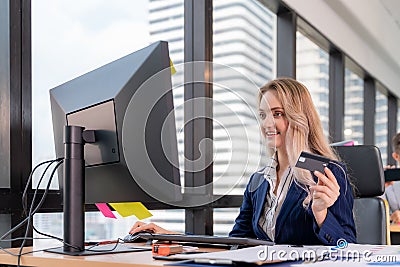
column 274, row 123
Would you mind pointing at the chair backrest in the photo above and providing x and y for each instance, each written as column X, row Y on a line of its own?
column 371, row 213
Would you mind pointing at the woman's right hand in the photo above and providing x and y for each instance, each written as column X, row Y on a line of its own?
column 149, row 227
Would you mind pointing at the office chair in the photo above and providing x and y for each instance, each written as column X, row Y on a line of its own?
column 371, row 212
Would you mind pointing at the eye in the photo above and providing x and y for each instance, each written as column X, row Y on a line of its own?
column 278, row 114
column 262, row 115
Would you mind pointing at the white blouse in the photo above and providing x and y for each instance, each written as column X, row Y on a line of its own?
column 273, row 203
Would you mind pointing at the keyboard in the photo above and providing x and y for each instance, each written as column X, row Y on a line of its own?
column 199, row 239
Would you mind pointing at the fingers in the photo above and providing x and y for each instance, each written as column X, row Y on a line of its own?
column 149, row 227
column 318, row 190
column 328, row 180
column 136, row 227
column 323, row 196
column 326, row 192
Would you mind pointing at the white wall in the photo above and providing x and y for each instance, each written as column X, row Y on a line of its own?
column 367, row 31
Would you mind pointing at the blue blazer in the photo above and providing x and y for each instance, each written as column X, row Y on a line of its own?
column 295, row 224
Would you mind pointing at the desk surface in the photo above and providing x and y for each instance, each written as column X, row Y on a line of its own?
column 46, row 259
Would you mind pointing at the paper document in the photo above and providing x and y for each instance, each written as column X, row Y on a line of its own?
column 264, row 254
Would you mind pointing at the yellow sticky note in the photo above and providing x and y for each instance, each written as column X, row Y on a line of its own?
column 126, row 209
column 173, row 70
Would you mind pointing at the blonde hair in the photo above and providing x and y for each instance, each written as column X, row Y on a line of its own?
column 305, row 132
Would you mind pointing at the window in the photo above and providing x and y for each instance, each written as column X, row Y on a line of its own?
column 69, row 41
column 224, row 219
column 243, row 46
column 244, row 52
column 381, row 120
column 353, row 108
column 312, row 69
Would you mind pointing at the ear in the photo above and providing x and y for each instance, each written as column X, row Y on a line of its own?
column 396, row 156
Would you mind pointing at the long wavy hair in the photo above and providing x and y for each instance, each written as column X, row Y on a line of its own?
column 305, row 132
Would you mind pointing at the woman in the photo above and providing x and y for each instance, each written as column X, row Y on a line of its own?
column 285, row 204
column 392, row 190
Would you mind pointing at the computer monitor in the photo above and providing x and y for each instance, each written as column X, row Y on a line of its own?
column 129, row 105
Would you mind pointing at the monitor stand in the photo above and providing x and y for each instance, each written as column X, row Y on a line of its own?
column 74, row 197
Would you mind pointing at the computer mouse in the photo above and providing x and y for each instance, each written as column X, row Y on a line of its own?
column 136, row 237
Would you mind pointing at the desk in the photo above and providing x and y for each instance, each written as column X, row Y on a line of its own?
column 131, row 259
column 46, row 259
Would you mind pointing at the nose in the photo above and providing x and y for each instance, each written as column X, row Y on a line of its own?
column 268, row 122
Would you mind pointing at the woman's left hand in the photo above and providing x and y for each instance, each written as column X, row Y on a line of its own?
column 324, row 194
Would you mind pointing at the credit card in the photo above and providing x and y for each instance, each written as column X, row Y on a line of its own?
column 312, row 162
column 392, row 175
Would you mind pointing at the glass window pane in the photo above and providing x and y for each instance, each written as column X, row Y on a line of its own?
column 68, row 41
column 244, row 51
column 381, row 120
column 312, row 69
column 224, row 219
column 354, row 108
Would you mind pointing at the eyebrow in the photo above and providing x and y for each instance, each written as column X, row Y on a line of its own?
column 272, row 109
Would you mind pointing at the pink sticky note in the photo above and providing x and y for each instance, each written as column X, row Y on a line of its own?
column 103, row 207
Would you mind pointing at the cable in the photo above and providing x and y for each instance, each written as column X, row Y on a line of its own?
column 56, row 238
column 119, row 241
column 23, row 221
column 31, row 210
column 34, row 211
column 25, row 253
column 24, row 204
column 24, row 195
column 20, row 238
column 30, row 215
